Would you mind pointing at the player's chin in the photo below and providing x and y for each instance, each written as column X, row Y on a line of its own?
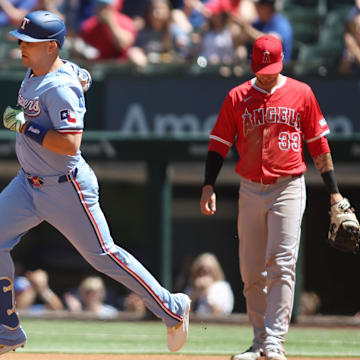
column 25, row 61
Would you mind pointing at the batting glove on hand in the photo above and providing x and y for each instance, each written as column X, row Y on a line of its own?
column 14, row 118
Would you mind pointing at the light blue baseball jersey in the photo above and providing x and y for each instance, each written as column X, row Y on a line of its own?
column 68, row 203
column 55, row 101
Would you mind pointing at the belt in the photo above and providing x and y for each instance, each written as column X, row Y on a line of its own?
column 274, row 180
column 38, row 180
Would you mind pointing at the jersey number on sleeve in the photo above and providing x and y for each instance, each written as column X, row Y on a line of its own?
column 289, row 141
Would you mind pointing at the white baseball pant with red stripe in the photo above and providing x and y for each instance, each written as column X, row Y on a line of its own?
column 73, row 209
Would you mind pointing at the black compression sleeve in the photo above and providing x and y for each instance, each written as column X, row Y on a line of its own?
column 330, row 181
column 213, row 164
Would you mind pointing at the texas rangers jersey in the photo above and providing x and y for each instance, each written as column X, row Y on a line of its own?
column 269, row 128
column 55, row 101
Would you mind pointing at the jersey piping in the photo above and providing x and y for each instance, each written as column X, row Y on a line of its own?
column 114, row 257
column 319, row 136
column 213, row 137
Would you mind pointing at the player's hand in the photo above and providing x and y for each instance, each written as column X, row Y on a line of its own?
column 208, row 200
column 14, row 118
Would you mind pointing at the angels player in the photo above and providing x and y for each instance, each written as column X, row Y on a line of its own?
column 269, row 118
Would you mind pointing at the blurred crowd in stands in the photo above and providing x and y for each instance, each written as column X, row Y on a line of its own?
column 202, row 32
column 34, row 295
column 204, row 282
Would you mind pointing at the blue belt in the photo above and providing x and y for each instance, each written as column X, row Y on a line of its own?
column 38, row 180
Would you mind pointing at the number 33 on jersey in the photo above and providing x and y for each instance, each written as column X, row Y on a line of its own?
column 257, row 120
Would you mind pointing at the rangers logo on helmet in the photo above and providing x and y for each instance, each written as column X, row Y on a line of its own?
column 24, row 23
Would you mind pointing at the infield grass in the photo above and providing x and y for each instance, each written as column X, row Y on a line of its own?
column 73, row 336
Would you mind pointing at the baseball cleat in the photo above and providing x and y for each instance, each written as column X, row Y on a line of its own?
column 274, row 354
column 250, row 354
column 6, row 348
column 177, row 335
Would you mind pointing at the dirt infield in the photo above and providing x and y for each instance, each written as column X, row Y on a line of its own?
column 18, row 356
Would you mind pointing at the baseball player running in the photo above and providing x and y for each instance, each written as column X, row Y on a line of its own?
column 268, row 117
column 57, row 185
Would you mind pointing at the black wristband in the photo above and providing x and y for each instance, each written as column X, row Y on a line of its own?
column 330, row 182
column 213, row 164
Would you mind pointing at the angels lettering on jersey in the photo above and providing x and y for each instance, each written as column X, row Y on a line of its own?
column 272, row 115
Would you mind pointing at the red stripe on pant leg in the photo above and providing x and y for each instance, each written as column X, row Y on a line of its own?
column 114, row 257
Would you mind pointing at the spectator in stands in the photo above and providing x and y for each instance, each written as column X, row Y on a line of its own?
column 216, row 42
column 192, row 14
column 309, row 303
column 350, row 60
column 32, row 292
column 76, row 12
column 269, row 21
column 208, row 290
column 133, row 303
column 189, row 14
column 136, row 9
column 109, row 31
column 50, row 5
column 91, row 299
column 161, row 40
column 12, row 12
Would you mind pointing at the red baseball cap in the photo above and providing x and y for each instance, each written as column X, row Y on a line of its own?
column 267, row 55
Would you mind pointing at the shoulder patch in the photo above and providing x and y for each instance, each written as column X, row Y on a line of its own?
column 68, row 115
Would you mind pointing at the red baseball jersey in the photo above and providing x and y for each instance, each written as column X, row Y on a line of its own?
column 269, row 128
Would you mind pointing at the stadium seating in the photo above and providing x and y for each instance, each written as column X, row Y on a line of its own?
column 318, row 34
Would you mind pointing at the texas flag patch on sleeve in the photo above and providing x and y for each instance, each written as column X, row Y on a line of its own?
column 68, row 115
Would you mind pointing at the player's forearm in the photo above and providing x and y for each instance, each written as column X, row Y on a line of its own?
column 213, row 165
column 65, row 144
column 324, row 164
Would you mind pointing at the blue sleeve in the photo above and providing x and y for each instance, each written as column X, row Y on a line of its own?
column 284, row 29
column 66, row 108
column 279, row 25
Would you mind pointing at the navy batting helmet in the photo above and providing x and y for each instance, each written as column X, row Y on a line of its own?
column 39, row 26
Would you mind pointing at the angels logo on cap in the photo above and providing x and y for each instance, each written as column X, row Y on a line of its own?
column 267, row 55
